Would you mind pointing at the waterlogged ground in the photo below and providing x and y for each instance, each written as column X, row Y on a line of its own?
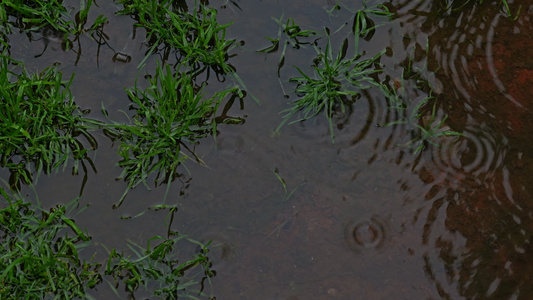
column 362, row 218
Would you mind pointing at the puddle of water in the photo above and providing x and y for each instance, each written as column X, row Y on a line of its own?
column 367, row 218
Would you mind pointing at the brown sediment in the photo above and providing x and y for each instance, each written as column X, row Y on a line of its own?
column 513, row 66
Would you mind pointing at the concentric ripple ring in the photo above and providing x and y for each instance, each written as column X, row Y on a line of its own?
column 364, row 234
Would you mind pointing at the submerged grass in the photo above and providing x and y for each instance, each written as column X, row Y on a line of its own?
column 158, row 269
column 336, row 80
column 289, row 33
column 454, row 5
column 40, row 258
column 36, row 15
column 194, row 37
column 39, row 253
column 426, row 127
column 170, row 115
column 363, row 24
column 197, row 35
column 39, row 122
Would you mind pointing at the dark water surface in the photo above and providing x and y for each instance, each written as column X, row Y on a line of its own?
column 368, row 219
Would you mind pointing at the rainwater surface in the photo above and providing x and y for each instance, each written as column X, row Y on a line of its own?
column 297, row 216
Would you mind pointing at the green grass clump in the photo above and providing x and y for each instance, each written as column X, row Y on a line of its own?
column 197, row 35
column 159, row 269
column 336, row 82
column 35, row 15
column 169, row 115
column 39, row 121
column 39, row 254
column 40, row 258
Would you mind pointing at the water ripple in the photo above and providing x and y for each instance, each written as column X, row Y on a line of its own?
column 477, row 155
column 365, row 234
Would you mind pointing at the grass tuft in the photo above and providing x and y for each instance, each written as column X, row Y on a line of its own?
column 197, row 35
column 37, row 15
column 40, row 258
column 39, row 254
column 170, row 115
column 195, row 38
column 39, row 122
column 336, row 82
column 158, row 269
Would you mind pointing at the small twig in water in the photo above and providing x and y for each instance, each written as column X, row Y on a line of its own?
column 279, row 227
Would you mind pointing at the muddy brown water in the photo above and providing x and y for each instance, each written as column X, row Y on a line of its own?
column 368, row 219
